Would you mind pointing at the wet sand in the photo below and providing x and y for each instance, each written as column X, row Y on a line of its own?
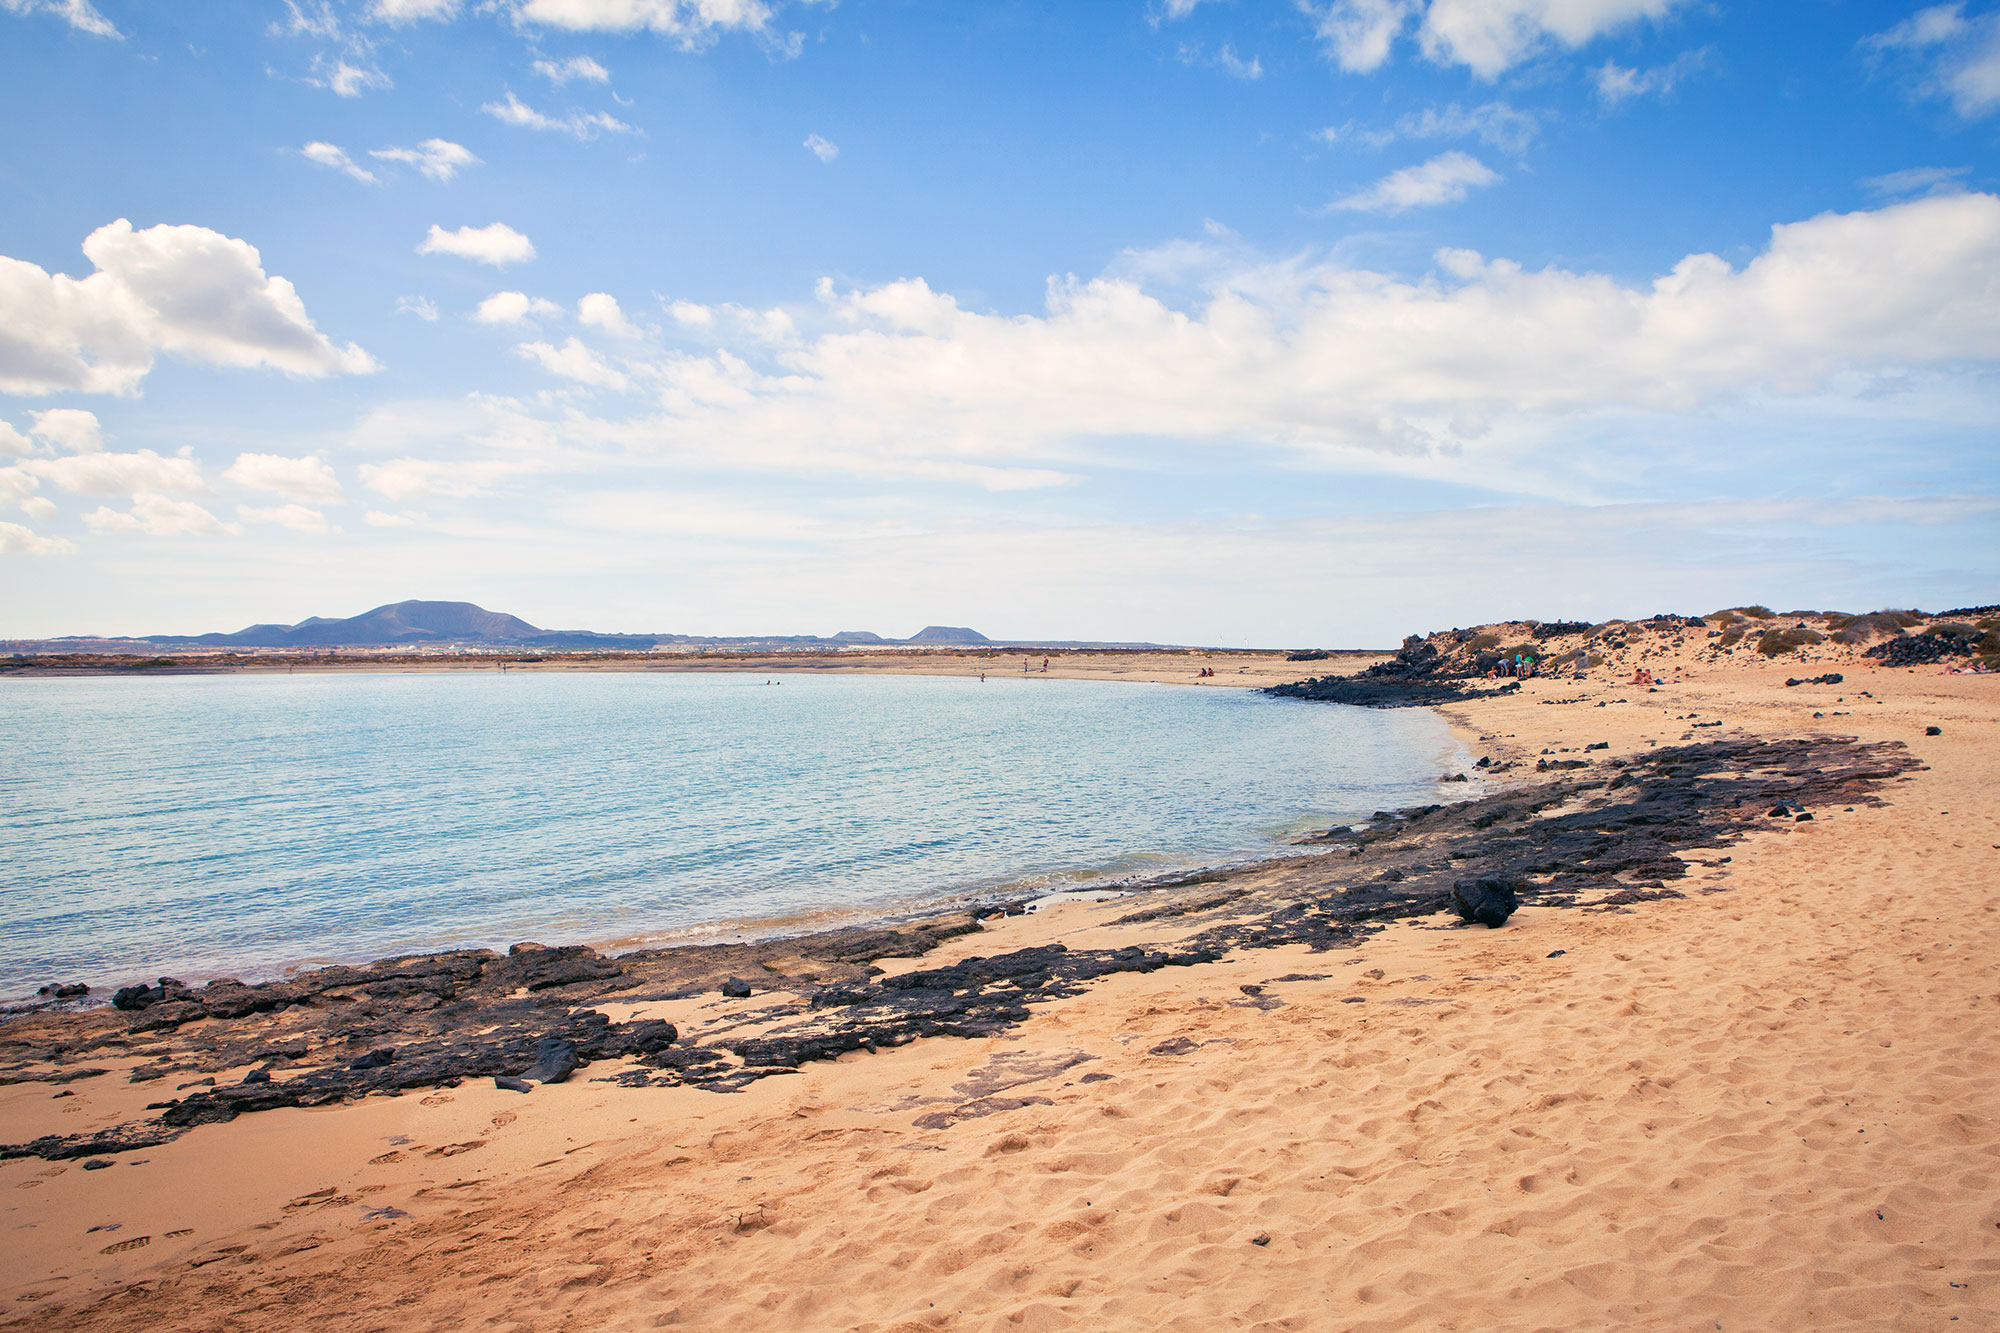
column 1768, row 1103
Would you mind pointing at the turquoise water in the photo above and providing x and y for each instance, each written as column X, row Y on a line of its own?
column 245, row 825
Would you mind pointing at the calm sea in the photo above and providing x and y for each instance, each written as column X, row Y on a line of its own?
column 247, row 825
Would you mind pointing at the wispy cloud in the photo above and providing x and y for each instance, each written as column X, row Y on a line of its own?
column 578, row 124
column 560, row 72
column 1918, row 181
column 1953, row 57
column 1617, row 83
column 1445, row 179
column 1489, row 37
column 79, row 14
column 335, row 158
column 438, row 159
column 822, row 147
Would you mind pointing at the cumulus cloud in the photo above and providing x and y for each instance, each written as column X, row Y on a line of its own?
column 581, row 125
column 1489, row 37
column 183, row 290
column 438, row 159
column 574, row 361
column 688, row 24
column 68, row 428
column 496, row 244
column 822, row 148
column 1955, row 57
column 336, row 158
column 307, row 479
column 12, row 442
column 412, row 11
column 294, row 516
column 513, row 308
column 158, row 516
column 1332, row 363
column 344, row 78
column 599, row 310
column 1445, row 179
column 691, row 315
column 17, row 540
column 560, row 72
column 79, row 14
column 119, row 474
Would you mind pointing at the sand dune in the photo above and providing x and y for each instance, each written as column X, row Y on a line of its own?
column 1773, row 1103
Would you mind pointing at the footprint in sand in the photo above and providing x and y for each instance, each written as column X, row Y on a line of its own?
column 454, row 1149
column 505, row 1118
column 437, row 1099
column 386, row 1158
column 136, row 1243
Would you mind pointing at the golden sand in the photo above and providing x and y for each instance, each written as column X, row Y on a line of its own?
column 1774, row 1103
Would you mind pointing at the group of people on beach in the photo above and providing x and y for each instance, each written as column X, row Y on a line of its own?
column 1520, row 665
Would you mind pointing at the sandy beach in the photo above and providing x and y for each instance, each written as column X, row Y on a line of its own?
column 1764, row 1100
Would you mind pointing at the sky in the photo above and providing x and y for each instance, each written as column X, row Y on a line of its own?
column 1239, row 322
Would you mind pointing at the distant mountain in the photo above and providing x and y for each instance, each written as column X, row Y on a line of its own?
column 410, row 622
column 418, row 624
column 947, row 634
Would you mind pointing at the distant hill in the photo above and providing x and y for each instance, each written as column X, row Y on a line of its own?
column 947, row 634
column 411, row 622
column 418, row 624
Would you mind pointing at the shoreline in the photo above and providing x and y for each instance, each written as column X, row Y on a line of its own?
column 945, row 1111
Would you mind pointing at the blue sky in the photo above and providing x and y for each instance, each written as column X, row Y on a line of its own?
column 1236, row 321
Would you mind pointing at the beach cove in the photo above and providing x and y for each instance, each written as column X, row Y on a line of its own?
column 1753, row 1091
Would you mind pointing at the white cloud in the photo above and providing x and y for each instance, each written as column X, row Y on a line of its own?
column 343, row 78
column 421, row 306
column 412, row 11
column 560, row 72
column 600, row 310
column 119, row 474
column 514, row 308
column 17, row 540
column 1616, row 83
column 336, row 158
column 1918, row 180
column 1487, row 36
column 438, row 159
column 157, row 516
column 12, row 442
column 36, row 506
column 578, row 124
column 822, row 148
column 1445, row 179
column 691, row 315
column 1236, row 66
column 689, row 24
column 1495, row 123
column 424, row 478
column 184, row 290
column 68, row 428
column 497, row 244
column 1958, row 57
column 294, row 516
column 376, row 518
column 574, row 361
column 1335, row 365
column 17, row 485
column 305, row 478
column 79, row 14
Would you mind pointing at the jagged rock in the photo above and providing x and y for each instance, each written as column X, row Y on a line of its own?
column 736, row 988
column 509, row 1084
column 1488, row 901
column 144, row 997
column 1933, row 731
column 555, row 1061
column 375, row 1059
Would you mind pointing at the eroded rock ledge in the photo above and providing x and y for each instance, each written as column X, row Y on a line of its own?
column 1615, row 833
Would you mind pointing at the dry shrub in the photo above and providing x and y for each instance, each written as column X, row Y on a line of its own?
column 1731, row 637
column 1777, row 642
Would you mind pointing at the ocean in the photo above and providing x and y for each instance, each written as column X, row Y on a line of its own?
column 248, row 825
